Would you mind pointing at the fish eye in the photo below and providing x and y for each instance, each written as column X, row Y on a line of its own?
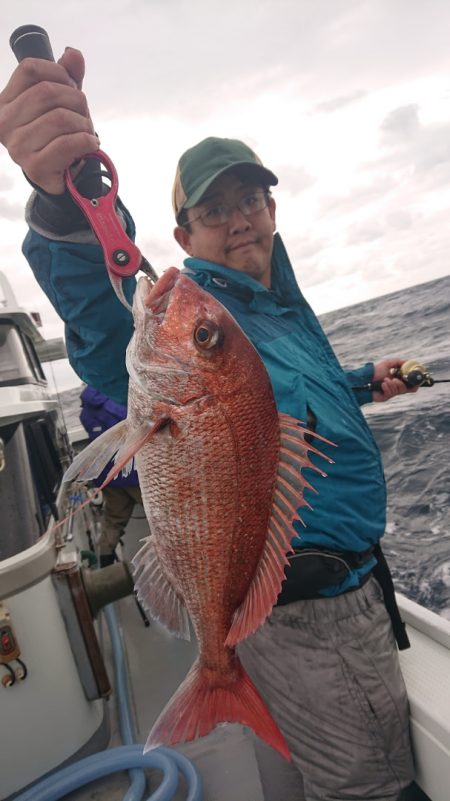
column 206, row 335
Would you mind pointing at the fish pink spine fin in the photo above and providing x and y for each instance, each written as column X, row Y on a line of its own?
column 199, row 705
column 288, row 496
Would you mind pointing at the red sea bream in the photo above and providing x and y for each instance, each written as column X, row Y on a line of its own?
column 221, row 478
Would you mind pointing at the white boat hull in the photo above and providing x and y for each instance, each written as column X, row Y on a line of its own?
column 426, row 670
column 49, row 717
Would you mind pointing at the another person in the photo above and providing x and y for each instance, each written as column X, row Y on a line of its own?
column 98, row 414
column 326, row 659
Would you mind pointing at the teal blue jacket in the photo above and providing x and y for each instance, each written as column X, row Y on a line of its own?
column 349, row 512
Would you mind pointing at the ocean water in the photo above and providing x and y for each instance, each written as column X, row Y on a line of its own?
column 412, row 432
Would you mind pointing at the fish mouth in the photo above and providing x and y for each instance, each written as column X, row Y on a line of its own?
column 151, row 302
column 155, row 298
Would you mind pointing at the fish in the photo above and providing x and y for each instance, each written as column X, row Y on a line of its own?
column 221, row 475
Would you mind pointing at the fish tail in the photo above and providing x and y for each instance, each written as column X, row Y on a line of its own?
column 201, row 703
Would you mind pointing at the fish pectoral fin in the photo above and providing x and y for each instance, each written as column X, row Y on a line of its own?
column 120, row 440
column 131, row 444
column 288, row 497
column 93, row 459
column 156, row 593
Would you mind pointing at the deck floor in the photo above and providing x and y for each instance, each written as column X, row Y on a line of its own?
column 157, row 663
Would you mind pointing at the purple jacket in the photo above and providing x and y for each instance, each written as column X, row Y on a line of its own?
column 98, row 413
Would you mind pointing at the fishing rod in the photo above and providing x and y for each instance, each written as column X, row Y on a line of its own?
column 412, row 373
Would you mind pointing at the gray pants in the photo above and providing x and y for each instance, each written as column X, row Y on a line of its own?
column 329, row 671
column 118, row 505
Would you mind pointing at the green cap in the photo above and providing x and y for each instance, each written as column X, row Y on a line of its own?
column 199, row 166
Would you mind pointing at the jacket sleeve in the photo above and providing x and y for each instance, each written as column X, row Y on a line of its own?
column 68, row 264
column 97, row 326
column 359, row 377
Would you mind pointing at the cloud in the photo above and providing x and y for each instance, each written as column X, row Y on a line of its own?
column 358, row 196
column 337, row 103
column 11, row 211
column 366, row 231
column 367, row 182
column 6, row 182
column 418, row 154
column 413, row 162
column 161, row 252
column 407, row 140
column 306, row 248
column 399, row 220
column 294, row 179
column 400, row 124
column 188, row 58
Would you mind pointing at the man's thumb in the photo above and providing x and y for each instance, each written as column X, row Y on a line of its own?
column 73, row 62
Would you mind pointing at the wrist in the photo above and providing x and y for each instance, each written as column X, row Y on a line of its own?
column 58, row 213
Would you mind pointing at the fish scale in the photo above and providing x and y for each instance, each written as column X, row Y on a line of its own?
column 186, row 527
column 213, row 479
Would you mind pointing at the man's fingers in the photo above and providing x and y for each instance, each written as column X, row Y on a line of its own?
column 60, row 153
column 32, row 71
column 44, row 118
column 392, row 387
column 38, row 134
column 39, row 100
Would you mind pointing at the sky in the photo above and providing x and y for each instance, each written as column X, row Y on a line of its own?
column 347, row 101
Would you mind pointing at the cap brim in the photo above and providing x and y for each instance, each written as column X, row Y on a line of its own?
column 247, row 168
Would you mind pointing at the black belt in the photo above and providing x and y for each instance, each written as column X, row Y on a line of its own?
column 311, row 570
column 383, row 576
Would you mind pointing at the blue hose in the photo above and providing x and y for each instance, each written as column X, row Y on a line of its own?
column 128, row 757
column 124, row 757
column 126, row 724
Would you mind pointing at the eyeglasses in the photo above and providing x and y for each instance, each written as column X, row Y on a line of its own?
column 219, row 215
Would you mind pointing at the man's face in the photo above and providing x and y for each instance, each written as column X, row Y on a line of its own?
column 242, row 243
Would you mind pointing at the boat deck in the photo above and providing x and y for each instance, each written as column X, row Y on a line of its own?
column 232, row 762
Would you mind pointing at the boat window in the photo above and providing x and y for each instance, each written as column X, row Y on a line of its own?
column 33, row 453
column 18, row 363
column 33, row 358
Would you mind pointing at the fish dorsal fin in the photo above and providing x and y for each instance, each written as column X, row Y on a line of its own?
column 288, row 497
column 156, row 593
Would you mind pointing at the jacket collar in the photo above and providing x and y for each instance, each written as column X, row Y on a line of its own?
column 284, row 292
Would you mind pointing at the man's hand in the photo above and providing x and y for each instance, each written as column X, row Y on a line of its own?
column 390, row 386
column 44, row 118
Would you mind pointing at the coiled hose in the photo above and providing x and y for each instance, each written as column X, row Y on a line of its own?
column 128, row 757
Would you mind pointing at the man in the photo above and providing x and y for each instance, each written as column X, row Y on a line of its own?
column 325, row 661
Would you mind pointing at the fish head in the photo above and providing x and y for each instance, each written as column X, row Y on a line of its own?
column 186, row 345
